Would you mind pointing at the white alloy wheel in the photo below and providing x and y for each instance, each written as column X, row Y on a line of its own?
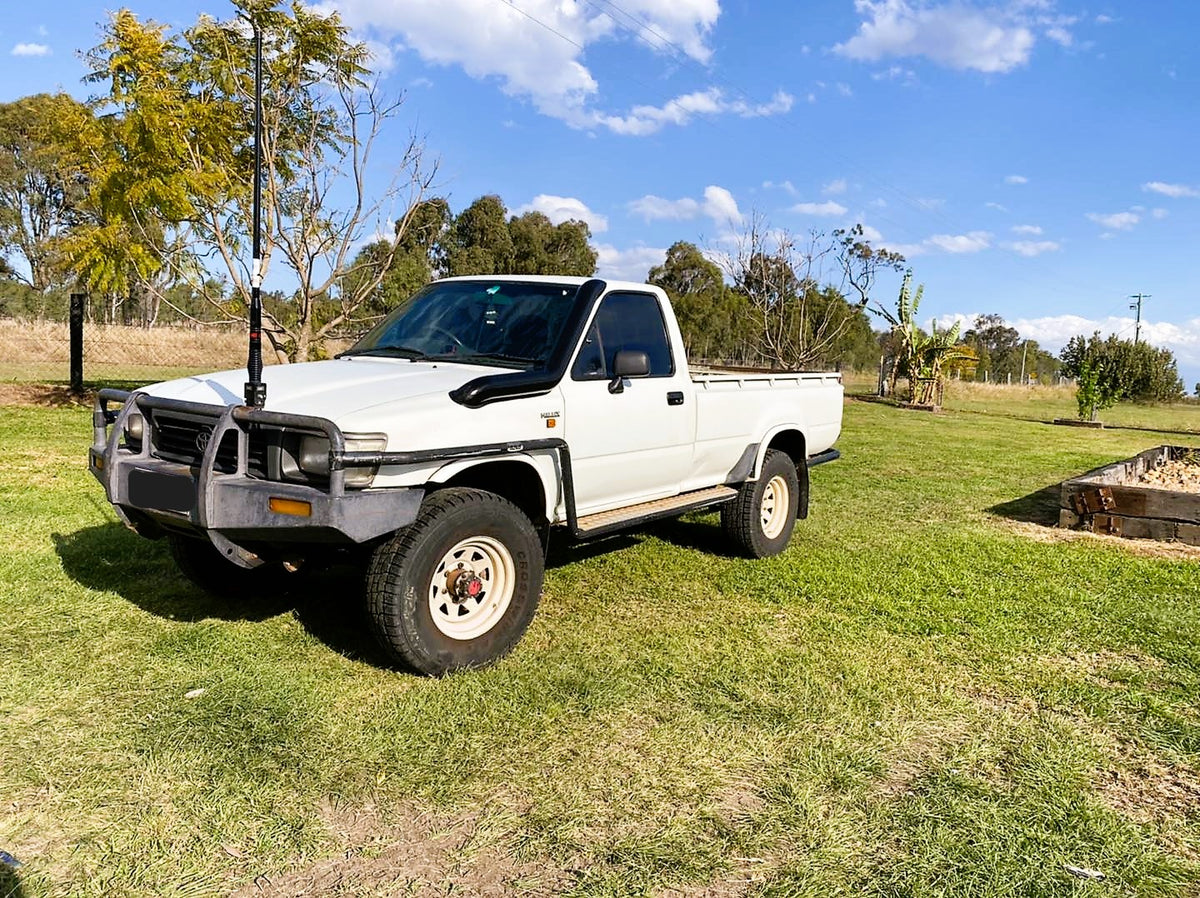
column 471, row 588
column 773, row 513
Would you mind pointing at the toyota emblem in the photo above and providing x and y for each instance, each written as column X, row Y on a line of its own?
column 202, row 438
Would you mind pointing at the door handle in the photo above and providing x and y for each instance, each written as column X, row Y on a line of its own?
column 675, row 397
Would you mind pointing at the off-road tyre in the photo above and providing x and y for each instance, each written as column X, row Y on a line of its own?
column 199, row 561
column 760, row 520
column 420, row 610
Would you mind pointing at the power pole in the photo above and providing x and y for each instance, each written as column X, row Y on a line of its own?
column 1137, row 327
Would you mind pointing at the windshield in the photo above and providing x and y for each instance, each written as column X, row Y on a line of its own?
column 482, row 322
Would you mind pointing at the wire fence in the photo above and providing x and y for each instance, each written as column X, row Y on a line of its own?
column 40, row 351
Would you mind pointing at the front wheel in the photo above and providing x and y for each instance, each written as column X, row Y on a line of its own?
column 760, row 520
column 458, row 587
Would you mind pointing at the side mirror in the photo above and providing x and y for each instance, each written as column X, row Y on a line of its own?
column 628, row 363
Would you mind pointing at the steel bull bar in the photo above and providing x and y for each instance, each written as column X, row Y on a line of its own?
column 154, row 494
column 151, row 493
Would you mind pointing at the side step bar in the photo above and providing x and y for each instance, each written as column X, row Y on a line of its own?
column 620, row 518
column 821, row 457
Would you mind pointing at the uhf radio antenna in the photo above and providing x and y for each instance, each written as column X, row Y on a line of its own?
column 256, row 390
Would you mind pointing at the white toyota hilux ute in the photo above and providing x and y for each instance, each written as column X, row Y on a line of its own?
column 480, row 418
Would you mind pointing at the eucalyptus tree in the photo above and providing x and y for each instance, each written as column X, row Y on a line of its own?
column 46, row 141
column 787, row 281
column 176, row 190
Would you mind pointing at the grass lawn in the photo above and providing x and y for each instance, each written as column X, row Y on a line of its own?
column 929, row 693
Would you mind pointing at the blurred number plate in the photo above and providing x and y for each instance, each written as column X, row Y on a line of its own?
column 167, row 492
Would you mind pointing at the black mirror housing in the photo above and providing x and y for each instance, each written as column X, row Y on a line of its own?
column 631, row 363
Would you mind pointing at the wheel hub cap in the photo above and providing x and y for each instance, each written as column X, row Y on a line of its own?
column 774, row 509
column 472, row 587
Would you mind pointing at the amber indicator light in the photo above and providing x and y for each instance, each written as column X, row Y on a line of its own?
column 290, row 506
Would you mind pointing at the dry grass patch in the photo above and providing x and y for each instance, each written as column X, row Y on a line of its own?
column 923, row 747
column 408, row 852
column 1147, row 791
column 1145, row 548
column 211, row 348
column 1095, row 667
column 971, row 390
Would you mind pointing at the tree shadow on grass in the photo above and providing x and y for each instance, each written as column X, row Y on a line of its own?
column 328, row 603
column 1040, row 507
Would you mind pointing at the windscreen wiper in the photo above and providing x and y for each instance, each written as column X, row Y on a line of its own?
column 404, row 352
column 504, row 359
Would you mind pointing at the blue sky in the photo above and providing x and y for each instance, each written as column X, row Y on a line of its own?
column 1033, row 158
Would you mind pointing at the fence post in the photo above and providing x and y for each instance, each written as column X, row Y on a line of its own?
column 77, row 304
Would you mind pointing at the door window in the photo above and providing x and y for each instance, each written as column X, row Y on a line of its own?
column 624, row 321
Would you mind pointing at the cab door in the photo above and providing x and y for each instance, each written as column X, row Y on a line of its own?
column 631, row 439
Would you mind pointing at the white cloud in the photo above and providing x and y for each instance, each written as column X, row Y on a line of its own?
column 717, row 203
column 1172, row 190
column 1055, row 330
column 721, row 207
column 957, row 35
column 945, row 322
column 655, row 208
column 31, row 50
column 565, row 208
column 1032, row 248
column 908, row 250
column 536, row 48
column 1033, row 230
column 972, row 242
column 955, row 244
column 1016, row 179
column 1102, row 19
column 383, row 57
column 906, row 77
column 1060, row 35
column 631, row 264
column 834, row 188
column 786, row 186
column 996, row 206
column 828, row 208
column 1118, row 221
column 643, row 120
column 1159, row 213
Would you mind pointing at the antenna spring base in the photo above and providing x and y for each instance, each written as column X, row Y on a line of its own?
column 256, row 394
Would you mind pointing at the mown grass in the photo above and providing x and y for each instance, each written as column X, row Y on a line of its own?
column 917, row 698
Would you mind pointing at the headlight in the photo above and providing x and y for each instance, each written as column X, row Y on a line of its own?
column 314, row 456
column 135, row 429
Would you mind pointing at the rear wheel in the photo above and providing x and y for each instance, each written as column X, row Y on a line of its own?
column 459, row 586
column 760, row 520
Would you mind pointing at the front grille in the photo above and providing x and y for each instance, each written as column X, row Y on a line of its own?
column 184, row 438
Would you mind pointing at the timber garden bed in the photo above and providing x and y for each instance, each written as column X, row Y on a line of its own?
column 1133, row 498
